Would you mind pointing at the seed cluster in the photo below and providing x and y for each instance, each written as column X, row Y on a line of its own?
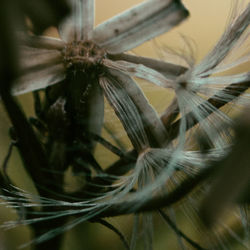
column 82, row 55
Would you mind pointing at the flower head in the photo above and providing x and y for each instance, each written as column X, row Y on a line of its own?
column 79, row 69
column 88, row 63
column 80, row 63
column 81, row 57
column 118, row 34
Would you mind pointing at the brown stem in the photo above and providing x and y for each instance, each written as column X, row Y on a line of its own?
column 29, row 146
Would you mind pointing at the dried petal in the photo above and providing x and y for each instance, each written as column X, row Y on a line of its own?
column 79, row 25
column 43, row 78
column 228, row 79
column 42, row 42
column 140, row 71
column 139, row 24
column 88, row 17
column 32, row 59
column 169, row 70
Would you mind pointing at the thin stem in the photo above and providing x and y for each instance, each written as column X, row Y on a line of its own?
column 43, row 227
column 6, row 160
column 105, row 143
column 115, row 230
column 170, row 114
column 30, row 149
column 119, row 143
column 167, row 69
column 178, row 231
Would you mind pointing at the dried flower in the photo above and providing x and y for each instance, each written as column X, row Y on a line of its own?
column 79, row 64
column 84, row 49
column 86, row 63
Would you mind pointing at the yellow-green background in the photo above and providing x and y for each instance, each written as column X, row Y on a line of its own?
column 204, row 26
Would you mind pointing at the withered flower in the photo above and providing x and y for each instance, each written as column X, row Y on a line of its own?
column 78, row 68
column 87, row 62
column 84, row 50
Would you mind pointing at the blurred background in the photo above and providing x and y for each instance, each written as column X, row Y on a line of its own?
column 204, row 26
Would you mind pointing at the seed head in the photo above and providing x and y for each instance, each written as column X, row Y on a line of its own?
column 82, row 55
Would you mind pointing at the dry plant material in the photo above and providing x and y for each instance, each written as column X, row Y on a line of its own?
column 84, row 66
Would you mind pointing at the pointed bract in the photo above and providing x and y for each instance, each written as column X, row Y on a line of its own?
column 79, row 25
column 42, row 42
column 44, row 78
column 150, row 118
column 139, row 24
column 141, row 71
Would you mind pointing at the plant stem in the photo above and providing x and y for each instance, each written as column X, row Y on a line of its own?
column 40, row 228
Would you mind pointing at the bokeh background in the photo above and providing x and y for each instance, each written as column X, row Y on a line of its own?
column 204, row 26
